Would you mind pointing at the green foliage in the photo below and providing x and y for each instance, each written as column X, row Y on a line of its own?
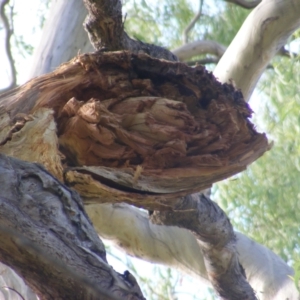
column 168, row 19
column 224, row 25
column 159, row 23
column 297, row 274
column 264, row 202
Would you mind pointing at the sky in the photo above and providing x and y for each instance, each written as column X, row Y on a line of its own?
column 28, row 15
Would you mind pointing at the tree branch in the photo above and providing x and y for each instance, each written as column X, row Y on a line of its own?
column 253, row 47
column 192, row 23
column 8, row 32
column 189, row 50
column 216, row 239
column 267, row 273
column 203, row 61
column 105, row 27
column 116, row 222
column 43, row 226
column 54, row 48
column 10, row 279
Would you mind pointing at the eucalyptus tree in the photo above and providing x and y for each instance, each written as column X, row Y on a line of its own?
column 243, row 62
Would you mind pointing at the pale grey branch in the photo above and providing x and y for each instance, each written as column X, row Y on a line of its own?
column 189, row 50
column 245, row 3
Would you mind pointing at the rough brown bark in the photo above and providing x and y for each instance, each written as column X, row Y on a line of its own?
column 48, row 239
column 105, row 27
column 214, row 232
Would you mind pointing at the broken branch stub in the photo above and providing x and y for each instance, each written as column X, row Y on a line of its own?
column 140, row 130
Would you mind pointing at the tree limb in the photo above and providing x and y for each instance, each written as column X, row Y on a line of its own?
column 105, row 27
column 10, row 279
column 253, row 47
column 43, row 226
column 54, row 48
column 189, row 50
column 267, row 273
column 203, row 61
column 216, row 239
column 192, row 23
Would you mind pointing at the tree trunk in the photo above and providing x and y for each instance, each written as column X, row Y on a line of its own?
column 48, row 239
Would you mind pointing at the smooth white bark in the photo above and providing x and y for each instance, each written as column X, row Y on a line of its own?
column 63, row 37
column 129, row 228
column 192, row 49
column 264, row 32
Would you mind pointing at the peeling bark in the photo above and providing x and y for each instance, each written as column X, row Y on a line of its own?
column 129, row 126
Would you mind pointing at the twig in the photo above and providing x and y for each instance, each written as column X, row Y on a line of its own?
column 8, row 31
column 192, row 23
column 245, row 3
column 189, row 50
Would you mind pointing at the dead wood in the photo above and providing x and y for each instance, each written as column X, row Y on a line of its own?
column 131, row 128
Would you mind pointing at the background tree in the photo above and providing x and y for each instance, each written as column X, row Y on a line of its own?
column 184, row 26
